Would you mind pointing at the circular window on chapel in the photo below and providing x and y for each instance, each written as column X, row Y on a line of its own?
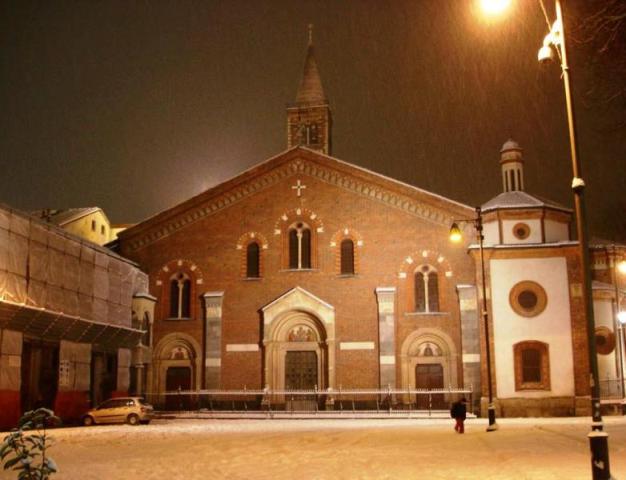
column 521, row 231
column 605, row 340
column 528, row 298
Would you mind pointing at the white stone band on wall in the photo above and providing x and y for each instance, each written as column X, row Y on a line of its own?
column 356, row 346
column 387, row 360
column 471, row 358
column 242, row 347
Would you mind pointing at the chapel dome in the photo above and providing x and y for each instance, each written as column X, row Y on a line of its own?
column 510, row 144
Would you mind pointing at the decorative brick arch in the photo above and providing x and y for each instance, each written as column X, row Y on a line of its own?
column 162, row 286
column 339, row 236
column 299, row 213
column 250, row 237
column 306, row 216
column 424, row 257
column 414, row 263
column 242, row 245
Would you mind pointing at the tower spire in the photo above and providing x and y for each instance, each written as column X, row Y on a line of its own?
column 310, row 90
column 309, row 118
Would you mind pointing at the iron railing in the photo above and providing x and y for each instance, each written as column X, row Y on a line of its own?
column 388, row 401
column 611, row 389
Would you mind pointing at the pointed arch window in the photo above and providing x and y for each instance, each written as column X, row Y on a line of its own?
column 253, row 260
column 299, row 246
column 426, row 289
column 180, row 296
column 347, row 257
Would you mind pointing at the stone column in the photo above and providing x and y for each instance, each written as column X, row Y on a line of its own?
column 386, row 297
column 470, row 339
column 10, row 378
column 213, row 339
column 143, row 305
column 123, row 372
column 72, row 398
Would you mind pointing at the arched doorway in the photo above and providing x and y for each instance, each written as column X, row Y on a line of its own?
column 429, row 361
column 299, row 342
column 176, row 364
column 298, row 354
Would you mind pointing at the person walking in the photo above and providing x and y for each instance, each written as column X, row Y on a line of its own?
column 459, row 413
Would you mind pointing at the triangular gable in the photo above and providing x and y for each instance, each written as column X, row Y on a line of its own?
column 297, row 293
column 414, row 201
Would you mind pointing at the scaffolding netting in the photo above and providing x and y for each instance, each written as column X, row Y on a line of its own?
column 42, row 266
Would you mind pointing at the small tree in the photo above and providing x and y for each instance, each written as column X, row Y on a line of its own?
column 26, row 453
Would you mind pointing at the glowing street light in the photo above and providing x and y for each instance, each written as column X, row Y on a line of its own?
column 492, row 8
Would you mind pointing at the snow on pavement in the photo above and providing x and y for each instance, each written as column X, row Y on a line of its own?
column 554, row 448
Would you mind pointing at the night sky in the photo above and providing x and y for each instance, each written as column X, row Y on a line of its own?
column 136, row 106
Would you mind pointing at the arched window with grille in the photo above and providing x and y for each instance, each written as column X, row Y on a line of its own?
column 253, row 260
column 299, row 246
column 426, row 289
column 347, row 257
column 532, row 365
column 180, row 296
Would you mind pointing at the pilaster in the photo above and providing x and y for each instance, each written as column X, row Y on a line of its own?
column 213, row 338
column 470, row 339
column 386, row 298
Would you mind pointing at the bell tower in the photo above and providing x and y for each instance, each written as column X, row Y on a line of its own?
column 309, row 118
column 512, row 164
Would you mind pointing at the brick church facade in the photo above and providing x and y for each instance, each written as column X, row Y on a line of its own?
column 305, row 253
column 309, row 272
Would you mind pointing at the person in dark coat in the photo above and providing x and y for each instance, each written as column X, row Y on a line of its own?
column 459, row 413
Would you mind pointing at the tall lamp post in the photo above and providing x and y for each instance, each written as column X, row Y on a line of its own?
column 555, row 41
column 620, row 323
column 456, row 236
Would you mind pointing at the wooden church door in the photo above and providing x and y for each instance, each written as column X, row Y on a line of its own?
column 429, row 376
column 300, row 370
column 178, row 377
column 301, row 374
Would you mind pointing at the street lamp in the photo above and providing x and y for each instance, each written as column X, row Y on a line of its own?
column 456, row 236
column 555, row 42
column 598, row 439
column 620, row 320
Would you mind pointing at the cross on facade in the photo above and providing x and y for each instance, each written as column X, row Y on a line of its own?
column 299, row 187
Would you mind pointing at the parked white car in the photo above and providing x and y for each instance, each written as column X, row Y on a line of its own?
column 132, row 410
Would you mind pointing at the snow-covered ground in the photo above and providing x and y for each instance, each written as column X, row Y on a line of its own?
column 334, row 449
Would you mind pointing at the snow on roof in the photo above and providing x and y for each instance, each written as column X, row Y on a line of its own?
column 61, row 217
column 519, row 199
column 199, row 196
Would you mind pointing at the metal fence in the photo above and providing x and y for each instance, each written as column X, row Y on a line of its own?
column 330, row 402
column 611, row 388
